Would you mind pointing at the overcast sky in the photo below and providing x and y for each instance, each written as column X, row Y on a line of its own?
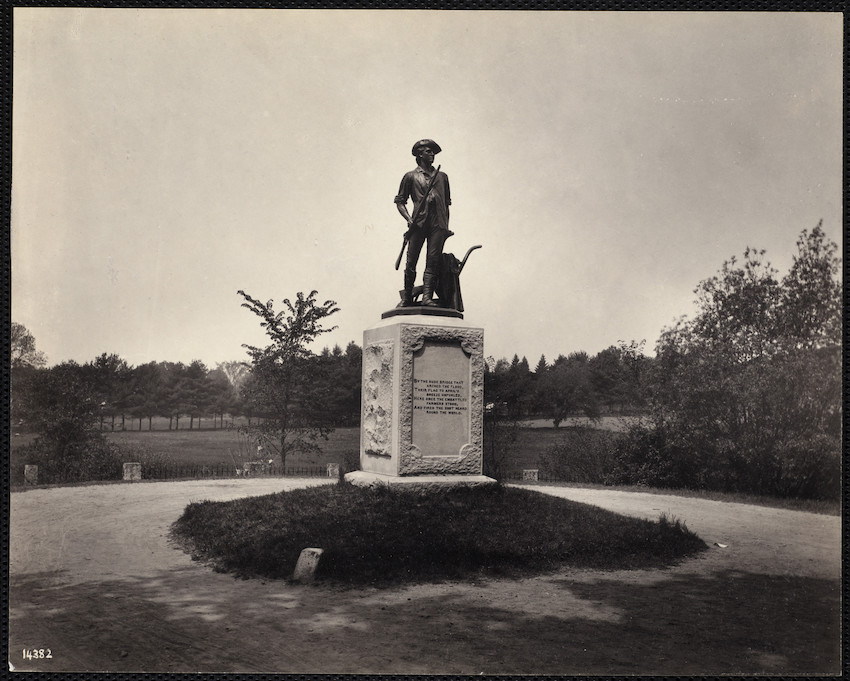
column 606, row 162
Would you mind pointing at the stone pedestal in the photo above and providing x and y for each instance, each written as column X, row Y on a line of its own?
column 423, row 401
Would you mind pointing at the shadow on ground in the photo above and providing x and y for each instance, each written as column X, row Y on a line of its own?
column 729, row 623
column 668, row 623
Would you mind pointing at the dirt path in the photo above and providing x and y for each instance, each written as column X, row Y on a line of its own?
column 94, row 579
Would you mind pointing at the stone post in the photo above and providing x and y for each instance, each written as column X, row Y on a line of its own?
column 305, row 568
column 133, row 471
column 30, row 474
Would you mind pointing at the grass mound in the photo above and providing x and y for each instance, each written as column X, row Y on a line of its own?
column 386, row 536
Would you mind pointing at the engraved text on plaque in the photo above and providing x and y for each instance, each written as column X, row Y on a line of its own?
column 440, row 399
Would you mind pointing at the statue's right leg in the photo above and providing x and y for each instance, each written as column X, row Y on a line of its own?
column 414, row 247
column 407, row 292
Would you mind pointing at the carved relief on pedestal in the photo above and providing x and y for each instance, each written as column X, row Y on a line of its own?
column 376, row 421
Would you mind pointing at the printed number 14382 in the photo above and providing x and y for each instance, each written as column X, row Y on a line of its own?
column 37, row 654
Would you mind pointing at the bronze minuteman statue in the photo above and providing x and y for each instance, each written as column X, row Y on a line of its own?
column 428, row 188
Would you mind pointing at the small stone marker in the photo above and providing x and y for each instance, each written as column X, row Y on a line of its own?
column 30, row 474
column 530, row 474
column 133, row 471
column 252, row 468
column 333, row 470
column 305, row 569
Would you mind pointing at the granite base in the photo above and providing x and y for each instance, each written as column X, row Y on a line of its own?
column 417, row 483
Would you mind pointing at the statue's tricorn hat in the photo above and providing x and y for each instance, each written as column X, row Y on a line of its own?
column 426, row 143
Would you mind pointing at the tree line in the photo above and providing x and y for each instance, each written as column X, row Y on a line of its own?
column 610, row 382
column 118, row 396
column 745, row 396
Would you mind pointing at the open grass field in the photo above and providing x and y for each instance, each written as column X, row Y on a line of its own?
column 224, row 446
column 219, row 446
column 613, row 423
column 531, row 443
column 209, row 445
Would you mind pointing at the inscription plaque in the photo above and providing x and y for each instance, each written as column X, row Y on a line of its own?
column 440, row 424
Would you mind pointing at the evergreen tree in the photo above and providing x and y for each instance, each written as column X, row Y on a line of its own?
column 541, row 367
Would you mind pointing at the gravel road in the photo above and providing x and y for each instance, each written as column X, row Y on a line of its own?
column 96, row 585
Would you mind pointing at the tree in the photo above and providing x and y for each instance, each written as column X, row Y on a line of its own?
column 236, row 372
column 617, row 375
column 283, row 387
column 509, row 385
column 197, row 396
column 22, row 348
column 110, row 376
column 351, row 380
column 63, row 410
column 222, row 394
column 567, row 388
column 810, row 306
column 501, row 424
column 25, row 362
column 342, row 372
column 541, row 367
column 606, row 376
column 747, row 394
column 147, row 380
column 738, row 309
column 636, row 365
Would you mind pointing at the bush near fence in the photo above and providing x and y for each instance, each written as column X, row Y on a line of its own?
column 90, row 460
column 581, row 454
column 647, row 455
column 178, row 471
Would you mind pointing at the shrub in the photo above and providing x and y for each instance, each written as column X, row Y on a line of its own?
column 71, row 455
column 583, row 455
column 641, row 457
column 658, row 454
column 350, row 462
column 811, row 468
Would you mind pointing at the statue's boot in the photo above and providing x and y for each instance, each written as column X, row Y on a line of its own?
column 428, row 290
column 407, row 293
